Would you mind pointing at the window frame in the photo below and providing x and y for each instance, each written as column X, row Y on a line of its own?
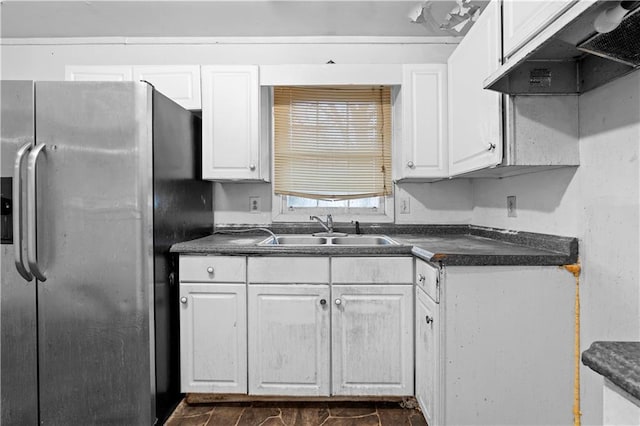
column 280, row 212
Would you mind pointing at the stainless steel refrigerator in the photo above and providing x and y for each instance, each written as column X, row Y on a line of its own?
column 98, row 180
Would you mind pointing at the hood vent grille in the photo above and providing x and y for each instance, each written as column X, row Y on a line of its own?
column 621, row 44
column 571, row 57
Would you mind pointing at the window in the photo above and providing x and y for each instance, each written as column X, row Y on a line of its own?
column 332, row 150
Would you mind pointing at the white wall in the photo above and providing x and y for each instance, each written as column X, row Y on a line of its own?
column 598, row 203
column 447, row 201
column 47, row 62
column 444, row 202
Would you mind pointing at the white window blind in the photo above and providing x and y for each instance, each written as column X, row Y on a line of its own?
column 332, row 143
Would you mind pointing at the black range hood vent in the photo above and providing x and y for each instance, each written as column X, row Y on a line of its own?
column 570, row 57
column 621, row 44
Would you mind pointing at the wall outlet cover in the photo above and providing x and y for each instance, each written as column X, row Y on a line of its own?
column 254, row 204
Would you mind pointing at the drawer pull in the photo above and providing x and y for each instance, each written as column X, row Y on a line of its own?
column 210, row 269
column 323, row 302
column 183, row 300
column 338, row 302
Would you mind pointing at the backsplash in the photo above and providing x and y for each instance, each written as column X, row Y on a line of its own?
column 448, row 201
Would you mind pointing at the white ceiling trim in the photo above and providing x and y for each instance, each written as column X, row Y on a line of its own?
column 229, row 40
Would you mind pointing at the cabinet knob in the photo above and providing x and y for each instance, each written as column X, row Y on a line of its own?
column 338, row 302
column 428, row 319
column 410, row 165
column 183, row 300
column 252, row 167
column 492, row 146
column 323, row 302
column 421, row 278
column 210, row 269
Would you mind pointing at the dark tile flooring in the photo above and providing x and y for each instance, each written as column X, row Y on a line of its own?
column 295, row 414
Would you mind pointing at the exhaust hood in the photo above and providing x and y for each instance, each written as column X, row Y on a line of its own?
column 569, row 56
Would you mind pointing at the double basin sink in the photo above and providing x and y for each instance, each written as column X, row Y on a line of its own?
column 328, row 240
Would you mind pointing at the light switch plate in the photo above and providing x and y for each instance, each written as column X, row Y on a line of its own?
column 405, row 205
column 511, row 206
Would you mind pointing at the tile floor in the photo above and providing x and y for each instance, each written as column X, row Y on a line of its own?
column 295, row 414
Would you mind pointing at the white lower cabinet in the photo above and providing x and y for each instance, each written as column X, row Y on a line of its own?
column 213, row 337
column 507, row 346
column 427, row 325
column 289, row 340
column 372, row 340
column 283, row 327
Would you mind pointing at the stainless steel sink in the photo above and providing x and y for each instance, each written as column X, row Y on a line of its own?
column 310, row 240
column 294, row 240
column 363, row 240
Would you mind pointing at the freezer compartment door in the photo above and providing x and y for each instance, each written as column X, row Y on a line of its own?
column 18, row 381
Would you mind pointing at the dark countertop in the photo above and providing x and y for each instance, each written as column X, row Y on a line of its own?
column 617, row 361
column 450, row 244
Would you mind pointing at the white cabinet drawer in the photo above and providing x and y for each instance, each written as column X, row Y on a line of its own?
column 427, row 277
column 228, row 269
column 372, row 270
column 296, row 270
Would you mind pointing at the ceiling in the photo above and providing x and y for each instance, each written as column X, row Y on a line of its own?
column 218, row 18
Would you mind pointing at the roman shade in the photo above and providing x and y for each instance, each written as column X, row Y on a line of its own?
column 332, row 143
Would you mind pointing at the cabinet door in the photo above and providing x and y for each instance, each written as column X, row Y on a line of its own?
column 213, row 338
column 372, row 340
column 427, row 352
column 98, row 73
column 181, row 83
column 424, row 122
column 289, row 340
column 475, row 124
column 523, row 19
column 231, row 123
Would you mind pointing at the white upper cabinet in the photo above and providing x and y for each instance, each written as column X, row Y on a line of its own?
column 231, row 124
column 475, row 125
column 423, row 149
column 179, row 83
column 523, row 19
column 98, row 73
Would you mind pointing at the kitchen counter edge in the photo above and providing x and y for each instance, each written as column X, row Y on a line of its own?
column 619, row 362
column 225, row 244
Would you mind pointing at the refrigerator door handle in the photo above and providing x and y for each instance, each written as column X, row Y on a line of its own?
column 32, row 213
column 17, row 215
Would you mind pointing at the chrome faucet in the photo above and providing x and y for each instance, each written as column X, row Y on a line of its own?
column 327, row 226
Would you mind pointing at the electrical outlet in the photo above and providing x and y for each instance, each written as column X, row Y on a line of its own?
column 511, row 206
column 254, row 204
column 405, row 205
